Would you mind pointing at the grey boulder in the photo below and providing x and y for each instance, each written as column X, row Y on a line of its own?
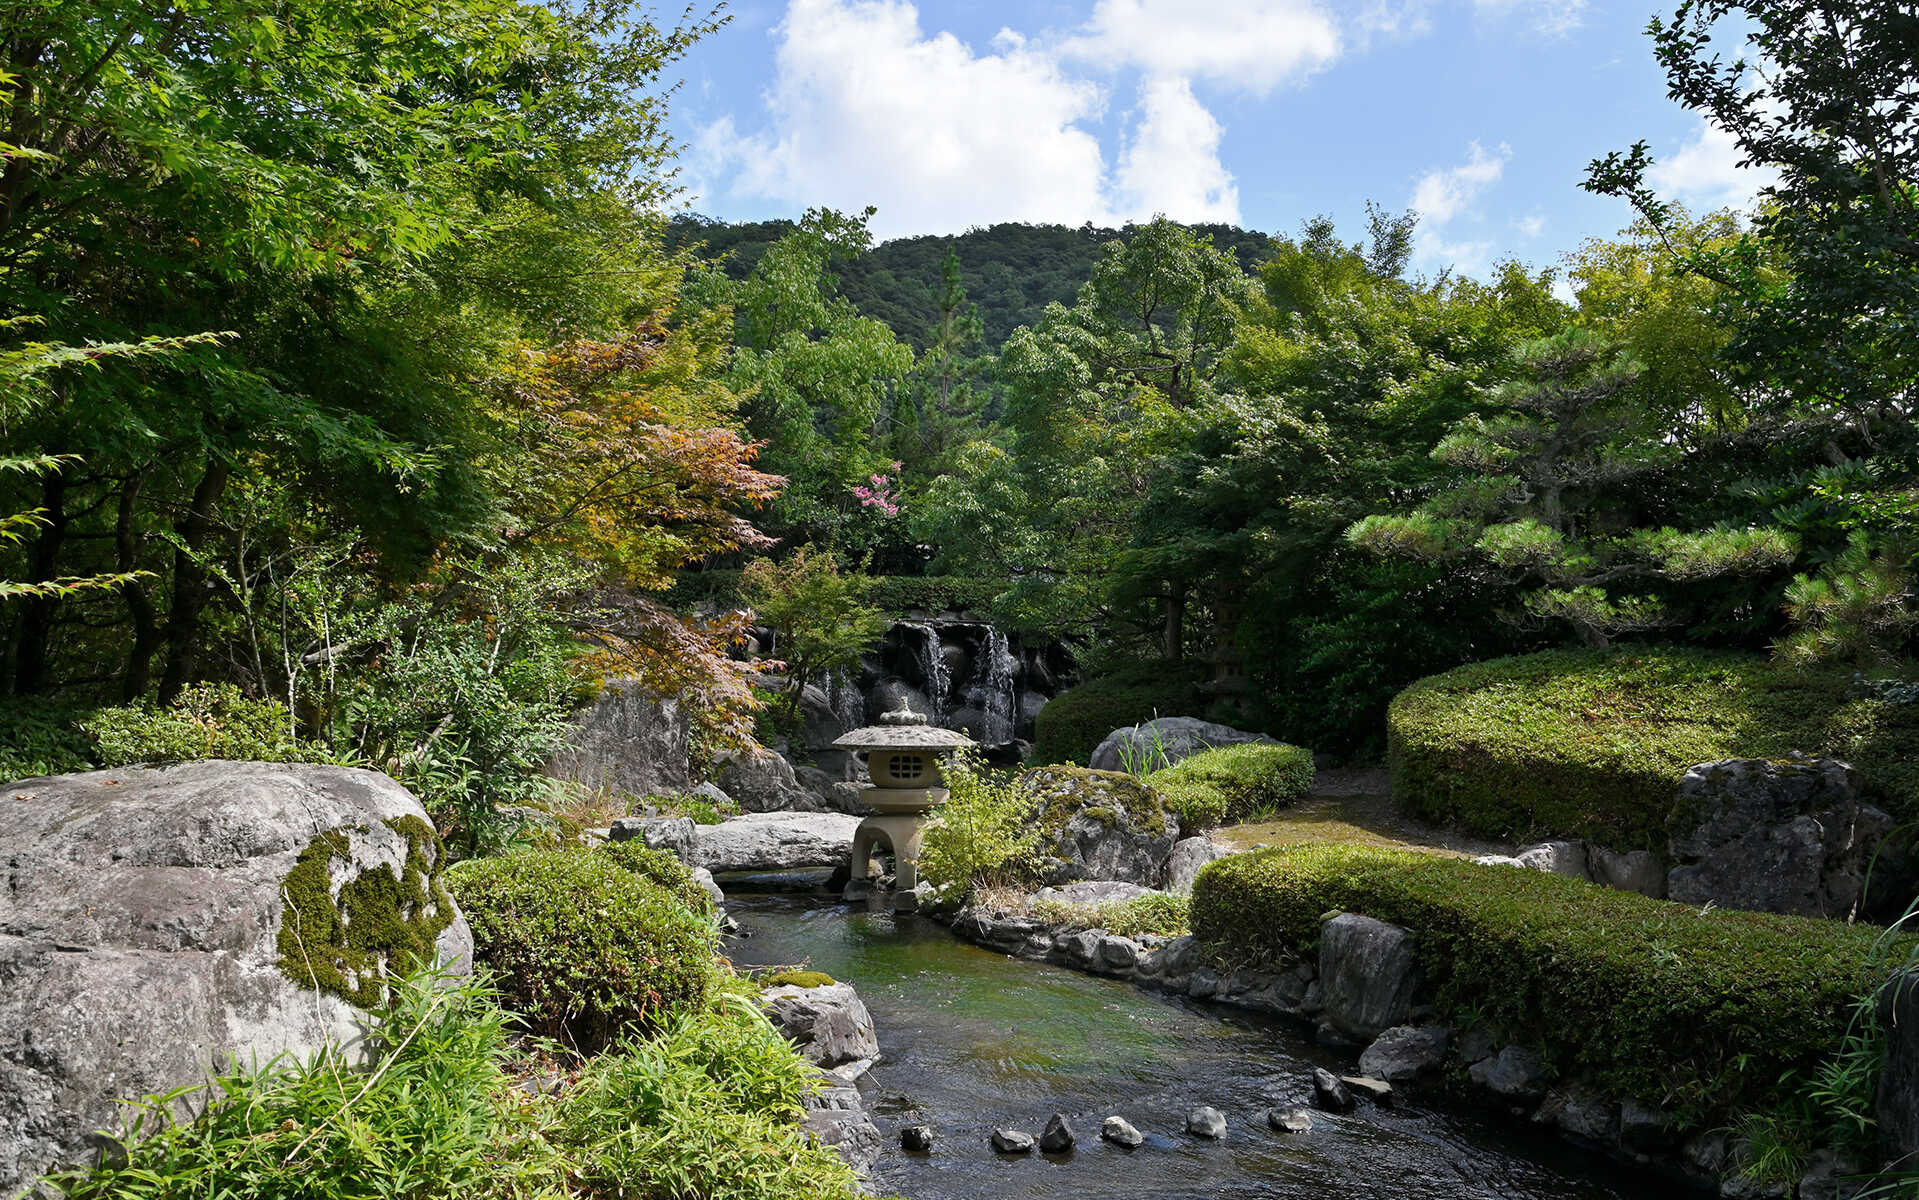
column 1120, row 1132
column 1329, row 1093
column 1639, row 871
column 1207, row 1122
column 1012, row 1141
column 760, row 781
column 829, row 1024
column 1404, row 1052
column 1109, row 826
column 779, row 841
column 1514, row 1073
column 1057, row 1137
column 1368, row 976
column 1173, row 738
column 1557, row 858
column 675, row 835
column 1183, row 864
column 1289, row 1120
column 140, row 934
column 1774, row 835
column 627, row 741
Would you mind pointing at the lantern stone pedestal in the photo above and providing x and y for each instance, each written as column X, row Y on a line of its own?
column 902, row 757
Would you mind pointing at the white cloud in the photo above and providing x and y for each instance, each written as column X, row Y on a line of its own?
column 1171, row 164
column 1553, row 18
column 1531, row 226
column 1705, row 172
column 1446, row 194
column 866, row 109
column 1442, row 193
column 1251, row 44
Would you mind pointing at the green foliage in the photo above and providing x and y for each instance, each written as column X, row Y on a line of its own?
column 1157, row 913
column 1064, row 792
column 1711, row 1012
column 377, row 927
column 707, row 1107
column 821, row 623
column 42, row 740
column 1589, row 744
column 1073, row 724
column 662, row 868
column 1234, row 783
column 204, row 721
column 1858, row 611
column 583, row 948
column 985, row 835
column 430, row 1117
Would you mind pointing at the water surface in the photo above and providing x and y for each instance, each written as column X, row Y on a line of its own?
column 973, row 1040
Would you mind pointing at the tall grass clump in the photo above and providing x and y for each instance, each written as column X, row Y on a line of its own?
column 985, row 835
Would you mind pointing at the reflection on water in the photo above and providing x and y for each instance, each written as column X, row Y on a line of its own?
column 973, row 1040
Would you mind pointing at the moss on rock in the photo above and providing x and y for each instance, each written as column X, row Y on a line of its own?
column 799, row 979
column 378, row 925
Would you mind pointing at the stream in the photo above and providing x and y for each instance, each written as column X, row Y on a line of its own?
column 972, row 1040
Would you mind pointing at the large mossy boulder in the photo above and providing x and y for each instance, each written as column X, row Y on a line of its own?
column 1101, row 825
column 162, row 922
column 1071, row 726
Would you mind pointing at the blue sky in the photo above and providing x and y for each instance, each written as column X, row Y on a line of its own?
column 1479, row 114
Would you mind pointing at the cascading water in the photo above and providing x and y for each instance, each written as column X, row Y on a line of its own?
column 849, row 706
column 933, row 670
column 994, row 694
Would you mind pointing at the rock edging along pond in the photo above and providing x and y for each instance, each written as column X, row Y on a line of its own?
column 1382, row 988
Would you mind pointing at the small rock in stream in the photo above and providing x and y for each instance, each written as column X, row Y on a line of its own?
column 1376, row 1090
column 917, row 1138
column 1012, row 1141
column 1290, row 1120
column 1330, row 1093
column 1058, row 1137
column 1120, row 1132
column 1206, row 1121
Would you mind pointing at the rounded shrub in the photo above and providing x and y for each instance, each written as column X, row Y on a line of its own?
column 1715, row 1013
column 582, row 947
column 660, row 867
column 1234, row 783
column 1073, row 724
column 1591, row 744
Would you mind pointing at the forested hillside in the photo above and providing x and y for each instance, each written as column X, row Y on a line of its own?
column 1011, row 271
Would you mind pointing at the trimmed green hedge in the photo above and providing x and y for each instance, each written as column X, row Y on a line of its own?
column 1233, row 783
column 1591, row 744
column 1659, row 1001
column 581, row 946
column 1073, row 724
column 662, row 868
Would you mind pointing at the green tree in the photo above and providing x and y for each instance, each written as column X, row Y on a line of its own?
column 1541, row 497
column 819, row 615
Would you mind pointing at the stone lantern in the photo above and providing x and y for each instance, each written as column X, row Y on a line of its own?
column 902, row 756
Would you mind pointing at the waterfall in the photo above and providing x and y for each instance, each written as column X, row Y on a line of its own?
column 933, row 670
column 997, row 698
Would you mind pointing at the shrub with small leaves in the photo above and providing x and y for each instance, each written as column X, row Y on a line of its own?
column 582, row 947
column 985, row 835
column 1234, row 783
column 205, row 721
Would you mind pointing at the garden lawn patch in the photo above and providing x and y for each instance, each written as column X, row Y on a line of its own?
column 1711, row 1013
column 1591, row 744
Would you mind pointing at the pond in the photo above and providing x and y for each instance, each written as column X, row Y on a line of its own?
column 973, row 1040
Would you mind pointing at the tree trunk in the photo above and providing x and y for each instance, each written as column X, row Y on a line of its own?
column 36, row 619
column 190, row 582
column 146, row 622
column 1175, row 630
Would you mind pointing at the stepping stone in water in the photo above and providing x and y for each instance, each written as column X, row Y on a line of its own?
column 1329, row 1093
column 1206, row 1121
column 917, row 1138
column 1377, row 1090
column 1058, row 1137
column 1289, row 1120
column 1120, row 1132
column 1012, row 1141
